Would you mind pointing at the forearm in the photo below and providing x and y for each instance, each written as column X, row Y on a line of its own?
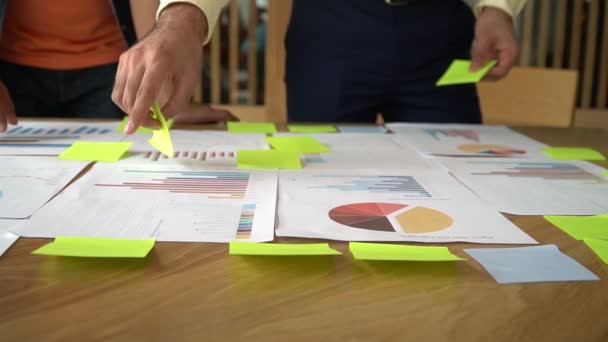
column 511, row 7
column 210, row 8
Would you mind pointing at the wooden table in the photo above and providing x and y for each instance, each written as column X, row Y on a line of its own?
column 196, row 292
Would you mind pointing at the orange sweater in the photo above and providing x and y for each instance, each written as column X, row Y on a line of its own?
column 60, row 34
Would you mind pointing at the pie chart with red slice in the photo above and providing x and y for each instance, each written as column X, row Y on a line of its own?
column 390, row 217
column 495, row 150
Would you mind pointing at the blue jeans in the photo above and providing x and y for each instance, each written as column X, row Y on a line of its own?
column 348, row 60
column 79, row 93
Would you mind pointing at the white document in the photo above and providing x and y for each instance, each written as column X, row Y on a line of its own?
column 165, row 202
column 388, row 206
column 211, row 147
column 53, row 137
column 27, row 183
column 534, row 187
column 6, row 237
column 467, row 140
column 365, row 151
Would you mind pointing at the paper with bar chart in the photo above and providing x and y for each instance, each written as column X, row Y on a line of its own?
column 168, row 203
column 26, row 184
column 211, row 147
column 467, row 140
column 387, row 206
column 364, row 151
column 52, row 138
column 534, row 187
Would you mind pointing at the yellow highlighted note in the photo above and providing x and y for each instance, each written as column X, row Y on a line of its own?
column 459, row 73
column 299, row 144
column 251, row 127
column 97, row 247
column 582, row 227
column 268, row 159
column 312, row 128
column 391, row 252
column 95, row 151
column 276, row 249
column 600, row 247
column 161, row 138
column 573, row 153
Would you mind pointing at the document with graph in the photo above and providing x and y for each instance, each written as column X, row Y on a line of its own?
column 388, row 206
column 364, row 151
column 165, row 202
column 534, row 187
column 211, row 147
column 27, row 183
column 52, row 137
column 467, row 140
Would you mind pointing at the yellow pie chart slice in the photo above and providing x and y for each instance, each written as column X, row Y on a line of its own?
column 423, row 220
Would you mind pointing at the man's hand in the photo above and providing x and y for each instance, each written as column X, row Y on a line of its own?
column 162, row 67
column 7, row 109
column 494, row 39
column 197, row 113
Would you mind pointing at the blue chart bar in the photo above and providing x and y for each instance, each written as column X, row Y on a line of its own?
column 14, row 130
column 407, row 186
column 51, row 131
column 65, row 131
column 38, row 131
column 80, row 130
column 91, row 130
column 105, row 131
column 27, row 130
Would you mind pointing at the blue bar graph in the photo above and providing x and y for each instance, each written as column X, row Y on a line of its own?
column 407, row 186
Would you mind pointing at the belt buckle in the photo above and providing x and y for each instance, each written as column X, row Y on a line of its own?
column 398, row 2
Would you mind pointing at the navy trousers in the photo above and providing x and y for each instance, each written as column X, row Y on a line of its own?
column 348, row 60
column 79, row 93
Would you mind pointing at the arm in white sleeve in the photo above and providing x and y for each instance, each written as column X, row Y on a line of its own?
column 512, row 7
column 210, row 8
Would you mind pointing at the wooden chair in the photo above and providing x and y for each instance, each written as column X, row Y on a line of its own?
column 530, row 97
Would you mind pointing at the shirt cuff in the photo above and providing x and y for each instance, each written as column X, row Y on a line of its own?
column 511, row 7
column 210, row 8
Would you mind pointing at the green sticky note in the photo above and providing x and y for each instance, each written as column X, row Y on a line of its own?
column 140, row 129
column 383, row 251
column 97, row 247
column 268, row 159
column 161, row 138
column 573, row 153
column 97, row 151
column 459, row 73
column 299, row 144
column 606, row 173
column 312, row 128
column 600, row 247
column 248, row 248
column 251, row 127
column 582, row 227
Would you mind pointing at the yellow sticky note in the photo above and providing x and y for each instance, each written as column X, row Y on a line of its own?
column 312, row 128
column 98, row 151
column 459, row 73
column 268, row 159
column 573, row 153
column 582, row 227
column 161, row 138
column 280, row 249
column 383, row 251
column 600, row 247
column 299, row 144
column 251, row 127
column 97, row 247
column 140, row 129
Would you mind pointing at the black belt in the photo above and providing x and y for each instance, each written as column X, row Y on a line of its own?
column 401, row 2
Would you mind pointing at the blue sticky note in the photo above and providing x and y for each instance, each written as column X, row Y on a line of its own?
column 362, row 129
column 530, row 264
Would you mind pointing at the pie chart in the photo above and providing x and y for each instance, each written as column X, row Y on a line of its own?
column 391, row 217
column 495, row 150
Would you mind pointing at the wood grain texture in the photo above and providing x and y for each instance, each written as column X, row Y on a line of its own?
column 560, row 33
column 196, row 292
column 233, row 51
column 527, row 39
column 590, row 49
column 252, row 53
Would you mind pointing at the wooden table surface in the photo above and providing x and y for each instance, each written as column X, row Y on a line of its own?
column 196, row 292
